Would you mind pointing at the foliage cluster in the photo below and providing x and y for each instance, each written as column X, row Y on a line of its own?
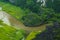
column 52, row 32
column 10, row 33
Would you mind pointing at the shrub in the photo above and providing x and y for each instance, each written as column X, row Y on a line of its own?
column 34, row 19
column 52, row 32
column 31, row 20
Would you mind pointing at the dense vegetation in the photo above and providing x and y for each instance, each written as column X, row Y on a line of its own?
column 15, row 11
column 54, row 4
column 10, row 33
column 52, row 32
column 33, row 13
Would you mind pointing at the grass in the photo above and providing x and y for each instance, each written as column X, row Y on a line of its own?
column 13, row 10
column 10, row 33
column 33, row 34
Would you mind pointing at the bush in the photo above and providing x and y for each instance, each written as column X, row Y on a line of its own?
column 31, row 20
column 52, row 32
column 47, row 14
column 34, row 19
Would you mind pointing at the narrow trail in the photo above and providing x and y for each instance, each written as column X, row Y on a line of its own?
column 20, row 25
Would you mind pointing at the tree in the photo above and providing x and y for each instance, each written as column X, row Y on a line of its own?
column 31, row 20
column 33, row 5
column 35, row 19
column 4, row 0
column 49, row 3
column 20, row 3
column 54, row 4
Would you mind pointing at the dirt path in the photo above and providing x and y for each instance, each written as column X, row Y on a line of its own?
column 18, row 24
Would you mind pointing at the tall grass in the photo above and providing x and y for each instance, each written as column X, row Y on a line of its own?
column 13, row 10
